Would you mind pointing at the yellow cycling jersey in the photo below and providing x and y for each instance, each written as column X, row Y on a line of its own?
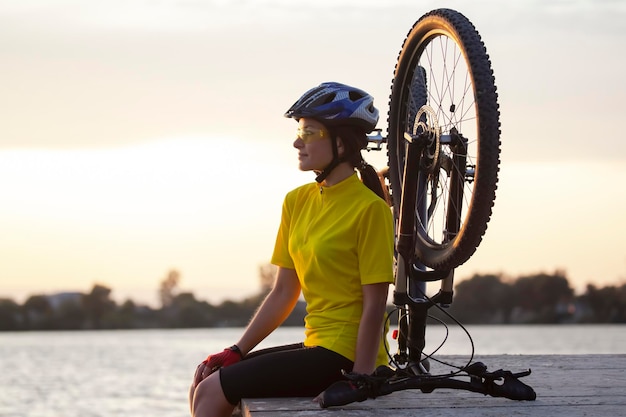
column 337, row 239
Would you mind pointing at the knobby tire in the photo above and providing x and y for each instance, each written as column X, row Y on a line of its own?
column 444, row 66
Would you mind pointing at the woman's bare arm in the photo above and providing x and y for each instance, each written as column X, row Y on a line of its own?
column 371, row 327
column 273, row 311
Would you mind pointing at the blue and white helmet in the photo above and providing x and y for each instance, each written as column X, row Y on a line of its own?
column 335, row 104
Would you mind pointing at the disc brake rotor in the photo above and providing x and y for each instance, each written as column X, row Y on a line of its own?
column 426, row 122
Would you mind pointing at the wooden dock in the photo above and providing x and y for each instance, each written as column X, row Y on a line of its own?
column 566, row 385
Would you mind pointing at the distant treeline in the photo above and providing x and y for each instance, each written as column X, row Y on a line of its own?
column 534, row 299
column 482, row 299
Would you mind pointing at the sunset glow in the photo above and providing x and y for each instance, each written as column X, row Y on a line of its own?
column 139, row 137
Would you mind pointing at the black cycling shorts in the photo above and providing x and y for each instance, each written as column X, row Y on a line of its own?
column 283, row 371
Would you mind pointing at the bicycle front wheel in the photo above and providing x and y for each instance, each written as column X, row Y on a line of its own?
column 443, row 82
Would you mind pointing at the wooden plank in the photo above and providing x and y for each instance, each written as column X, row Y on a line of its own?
column 567, row 385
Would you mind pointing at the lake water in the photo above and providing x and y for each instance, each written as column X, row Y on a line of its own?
column 147, row 372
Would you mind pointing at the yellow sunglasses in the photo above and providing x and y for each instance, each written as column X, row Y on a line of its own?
column 307, row 136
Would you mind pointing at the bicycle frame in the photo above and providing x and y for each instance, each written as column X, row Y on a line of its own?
column 411, row 275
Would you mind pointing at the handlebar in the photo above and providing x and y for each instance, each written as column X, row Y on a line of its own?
column 359, row 387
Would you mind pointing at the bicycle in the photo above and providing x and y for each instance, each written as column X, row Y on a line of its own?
column 443, row 148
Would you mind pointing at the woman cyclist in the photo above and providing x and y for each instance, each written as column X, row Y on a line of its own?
column 335, row 246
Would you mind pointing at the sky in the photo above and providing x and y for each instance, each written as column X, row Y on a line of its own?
column 143, row 136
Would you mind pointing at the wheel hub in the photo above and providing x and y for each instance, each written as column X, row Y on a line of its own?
column 426, row 124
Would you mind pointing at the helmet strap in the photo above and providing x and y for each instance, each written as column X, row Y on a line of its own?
column 326, row 172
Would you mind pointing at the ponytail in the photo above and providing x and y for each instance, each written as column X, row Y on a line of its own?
column 373, row 180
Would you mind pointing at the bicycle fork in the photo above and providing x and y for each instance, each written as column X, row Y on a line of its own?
column 411, row 276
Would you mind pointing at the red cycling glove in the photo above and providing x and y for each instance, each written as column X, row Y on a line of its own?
column 227, row 357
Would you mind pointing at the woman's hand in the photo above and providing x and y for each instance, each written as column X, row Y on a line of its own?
column 214, row 362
